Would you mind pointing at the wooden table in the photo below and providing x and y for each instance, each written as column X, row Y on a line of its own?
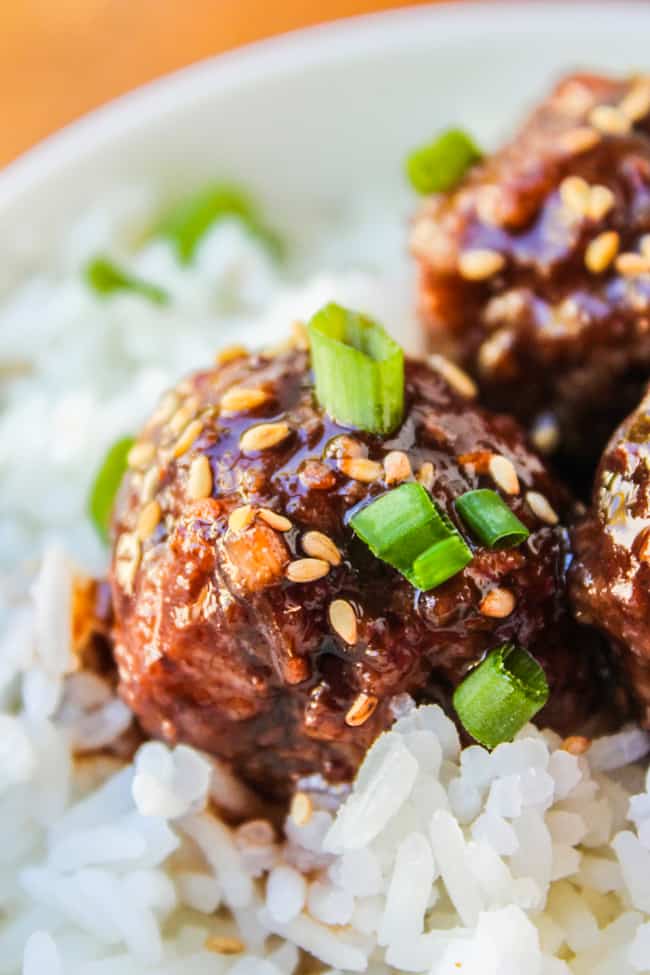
column 61, row 58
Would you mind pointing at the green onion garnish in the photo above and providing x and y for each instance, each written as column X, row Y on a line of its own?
column 105, row 278
column 440, row 562
column 188, row 221
column 358, row 370
column 499, row 696
column 106, row 484
column 490, row 519
column 440, row 165
column 405, row 529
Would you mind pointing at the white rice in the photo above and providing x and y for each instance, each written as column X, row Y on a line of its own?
column 527, row 859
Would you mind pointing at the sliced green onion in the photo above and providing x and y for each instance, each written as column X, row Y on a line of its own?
column 106, row 484
column 358, row 369
column 500, row 695
column 440, row 165
column 400, row 525
column 440, row 562
column 490, row 519
column 188, row 221
column 405, row 529
column 105, row 278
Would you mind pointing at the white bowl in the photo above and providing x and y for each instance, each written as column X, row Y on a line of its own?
column 320, row 113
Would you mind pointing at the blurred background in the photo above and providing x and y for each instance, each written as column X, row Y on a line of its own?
column 61, row 58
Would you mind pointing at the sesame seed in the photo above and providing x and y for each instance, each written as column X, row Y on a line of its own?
column 167, row 407
column 480, row 263
column 504, row 474
column 239, row 399
column 545, row 433
column 609, row 120
column 601, row 251
column 241, row 518
column 343, row 620
column 576, row 141
column 148, row 520
column 425, row 240
column 264, row 436
column 199, row 478
column 141, row 455
column 307, row 570
column 494, row 350
column 397, row 467
column 222, row 945
column 183, row 415
column 425, row 475
column 362, row 708
column 150, row 483
column 601, row 201
column 644, row 246
column 636, row 103
column 575, row 193
column 540, row 507
column 301, row 809
column 320, row 546
column 361, row 469
column 299, row 335
column 455, row 376
column 127, row 559
column 576, row 744
column 631, row 265
column 498, row 603
column 506, row 308
column 187, row 437
column 274, row 520
column 230, row 353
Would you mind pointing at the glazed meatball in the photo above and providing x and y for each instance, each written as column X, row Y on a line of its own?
column 250, row 620
column 610, row 580
column 535, row 271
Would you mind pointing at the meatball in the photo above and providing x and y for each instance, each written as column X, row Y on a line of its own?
column 610, row 579
column 250, row 620
column 535, row 271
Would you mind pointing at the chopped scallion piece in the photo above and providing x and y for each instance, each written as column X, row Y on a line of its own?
column 105, row 278
column 189, row 220
column 440, row 165
column 106, row 484
column 500, row 695
column 401, row 524
column 440, row 562
column 358, row 370
column 490, row 519
column 405, row 529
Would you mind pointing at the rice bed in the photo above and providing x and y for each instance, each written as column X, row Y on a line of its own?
column 527, row 859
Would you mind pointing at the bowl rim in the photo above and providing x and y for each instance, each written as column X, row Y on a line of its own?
column 287, row 53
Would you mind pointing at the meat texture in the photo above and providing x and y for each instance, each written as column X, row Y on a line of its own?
column 610, row 580
column 252, row 623
column 535, row 271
